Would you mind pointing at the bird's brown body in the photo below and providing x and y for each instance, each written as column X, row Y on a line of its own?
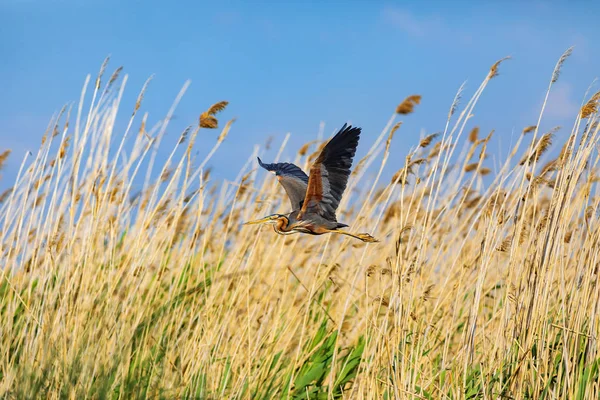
column 315, row 198
column 287, row 224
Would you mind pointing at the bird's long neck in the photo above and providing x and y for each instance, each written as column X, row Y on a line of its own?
column 282, row 226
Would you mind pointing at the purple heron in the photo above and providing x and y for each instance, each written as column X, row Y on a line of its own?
column 315, row 198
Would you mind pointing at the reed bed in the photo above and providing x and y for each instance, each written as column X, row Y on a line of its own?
column 128, row 275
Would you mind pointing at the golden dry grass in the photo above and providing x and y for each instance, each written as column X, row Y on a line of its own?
column 480, row 287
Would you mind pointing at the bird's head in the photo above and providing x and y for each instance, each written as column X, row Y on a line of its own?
column 269, row 219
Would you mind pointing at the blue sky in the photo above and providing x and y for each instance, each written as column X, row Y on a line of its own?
column 287, row 67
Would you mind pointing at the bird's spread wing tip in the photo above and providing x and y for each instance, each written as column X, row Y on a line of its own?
column 261, row 163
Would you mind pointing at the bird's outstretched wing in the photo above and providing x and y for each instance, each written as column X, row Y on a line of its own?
column 329, row 174
column 293, row 180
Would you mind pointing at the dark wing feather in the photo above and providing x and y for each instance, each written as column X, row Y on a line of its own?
column 329, row 174
column 293, row 180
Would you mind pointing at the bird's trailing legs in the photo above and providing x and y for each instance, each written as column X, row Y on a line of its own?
column 365, row 237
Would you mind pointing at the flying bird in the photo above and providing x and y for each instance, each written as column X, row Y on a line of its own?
column 315, row 198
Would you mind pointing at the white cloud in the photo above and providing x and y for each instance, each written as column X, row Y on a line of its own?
column 429, row 26
column 412, row 24
column 561, row 104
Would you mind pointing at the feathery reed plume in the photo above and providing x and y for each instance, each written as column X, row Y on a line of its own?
column 539, row 180
column 589, row 213
column 529, row 128
column 417, row 161
column 590, row 107
column 559, row 64
column 427, row 292
column 408, row 105
column 371, row 270
column 207, row 118
column 474, row 134
column 304, row 149
column 114, row 77
column 565, row 151
column 435, row 151
column 101, row 72
column 473, row 202
column 456, row 101
column 206, row 174
column 142, row 130
column 166, row 174
column 3, row 157
column 505, row 245
column 384, row 301
column 396, row 126
column 403, row 173
column 568, row 236
column 471, row 167
column 388, row 141
column 539, row 148
column 524, row 234
column 56, row 131
column 484, row 171
column 494, row 69
column 140, row 98
column 5, row 195
column 400, row 177
column 184, row 135
column 217, row 107
column 225, row 130
column 542, row 223
column 40, row 181
column 428, row 139
column 208, row 121
column 550, row 166
column 63, row 147
column 38, row 200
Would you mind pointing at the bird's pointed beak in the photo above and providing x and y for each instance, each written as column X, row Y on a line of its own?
column 257, row 221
